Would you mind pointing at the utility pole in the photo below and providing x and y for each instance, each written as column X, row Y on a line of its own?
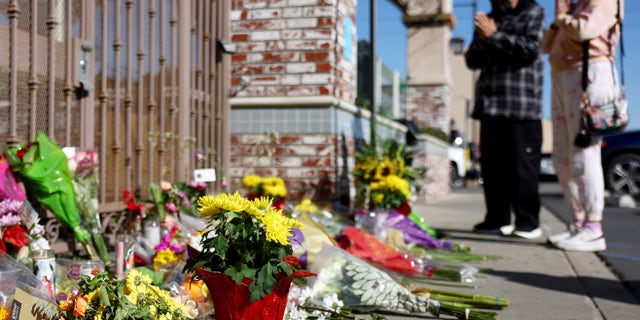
column 372, row 67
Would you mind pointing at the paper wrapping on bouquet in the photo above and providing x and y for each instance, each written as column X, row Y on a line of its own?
column 9, row 187
column 413, row 233
column 42, row 167
column 365, row 246
column 308, row 241
column 231, row 301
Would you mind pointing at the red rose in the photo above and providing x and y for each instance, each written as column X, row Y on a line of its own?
column 16, row 235
column 404, row 209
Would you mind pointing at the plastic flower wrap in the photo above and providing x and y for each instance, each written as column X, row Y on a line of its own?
column 365, row 246
column 245, row 239
column 360, row 285
column 83, row 166
column 272, row 187
column 13, row 275
column 104, row 297
column 42, row 167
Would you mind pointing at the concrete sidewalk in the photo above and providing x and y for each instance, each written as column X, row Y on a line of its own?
column 541, row 282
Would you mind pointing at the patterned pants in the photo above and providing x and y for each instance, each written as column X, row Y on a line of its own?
column 579, row 170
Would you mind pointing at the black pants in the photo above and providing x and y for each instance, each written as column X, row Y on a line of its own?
column 510, row 166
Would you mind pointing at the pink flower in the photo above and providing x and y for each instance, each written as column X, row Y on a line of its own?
column 171, row 207
column 199, row 156
column 165, row 186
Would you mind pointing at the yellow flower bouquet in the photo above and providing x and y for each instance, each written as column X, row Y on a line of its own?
column 245, row 248
column 272, row 187
column 103, row 296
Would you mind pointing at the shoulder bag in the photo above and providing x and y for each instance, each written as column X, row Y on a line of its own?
column 610, row 117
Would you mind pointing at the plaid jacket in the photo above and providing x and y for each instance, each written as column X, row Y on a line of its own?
column 511, row 67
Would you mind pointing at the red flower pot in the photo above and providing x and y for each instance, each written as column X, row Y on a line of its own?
column 231, row 301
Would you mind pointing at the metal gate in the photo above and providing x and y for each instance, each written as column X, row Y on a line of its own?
column 144, row 82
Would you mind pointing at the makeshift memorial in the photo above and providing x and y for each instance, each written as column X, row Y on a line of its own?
column 245, row 256
column 42, row 167
column 272, row 187
column 104, row 297
column 361, row 285
column 83, row 166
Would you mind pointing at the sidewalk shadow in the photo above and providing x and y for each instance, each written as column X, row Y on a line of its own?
column 467, row 235
column 593, row 287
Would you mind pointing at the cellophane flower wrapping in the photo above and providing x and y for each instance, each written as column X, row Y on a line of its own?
column 13, row 275
column 412, row 232
column 42, row 167
column 84, row 168
column 359, row 284
column 9, row 187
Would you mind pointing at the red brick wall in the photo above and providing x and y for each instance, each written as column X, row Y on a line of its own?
column 311, row 165
column 428, row 106
column 293, row 48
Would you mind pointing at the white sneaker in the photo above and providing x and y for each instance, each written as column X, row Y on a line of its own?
column 584, row 240
column 571, row 231
column 533, row 234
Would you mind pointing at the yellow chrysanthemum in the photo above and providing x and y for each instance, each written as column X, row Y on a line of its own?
column 396, row 183
column 164, row 257
column 93, row 295
column 278, row 226
column 261, row 203
column 211, row 205
column 135, row 279
column 307, row 206
column 251, row 181
column 4, row 313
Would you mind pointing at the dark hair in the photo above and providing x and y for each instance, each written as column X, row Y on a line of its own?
column 501, row 8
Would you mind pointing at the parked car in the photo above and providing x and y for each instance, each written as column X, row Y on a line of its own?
column 621, row 162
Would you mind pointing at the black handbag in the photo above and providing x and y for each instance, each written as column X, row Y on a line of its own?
column 610, row 117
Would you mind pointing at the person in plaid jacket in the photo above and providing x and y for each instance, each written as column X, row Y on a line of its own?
column 506, row 49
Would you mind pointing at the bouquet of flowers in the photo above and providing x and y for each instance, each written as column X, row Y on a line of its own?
column 247, row 240
column 372, row 167
column 175, row 198
column 104, row 297
column 19, row 230
column 359, row 284
column 272, row 187
column 42, row 167
column 83, row 166
column 389, row 192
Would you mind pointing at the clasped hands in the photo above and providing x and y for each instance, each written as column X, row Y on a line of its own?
column 485, row 25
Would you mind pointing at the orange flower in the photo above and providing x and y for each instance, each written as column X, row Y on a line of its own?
column 66, row 305
column 80, row 306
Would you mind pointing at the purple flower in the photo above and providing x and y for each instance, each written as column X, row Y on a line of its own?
column 10, row 206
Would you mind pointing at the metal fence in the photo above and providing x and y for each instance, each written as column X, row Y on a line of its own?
column 144, row 82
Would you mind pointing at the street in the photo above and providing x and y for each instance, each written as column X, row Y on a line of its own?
column 620, row 229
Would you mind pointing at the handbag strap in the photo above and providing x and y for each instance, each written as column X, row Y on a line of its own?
column 619, row 18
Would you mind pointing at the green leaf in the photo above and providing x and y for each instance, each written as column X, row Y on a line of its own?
column 104, row 296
